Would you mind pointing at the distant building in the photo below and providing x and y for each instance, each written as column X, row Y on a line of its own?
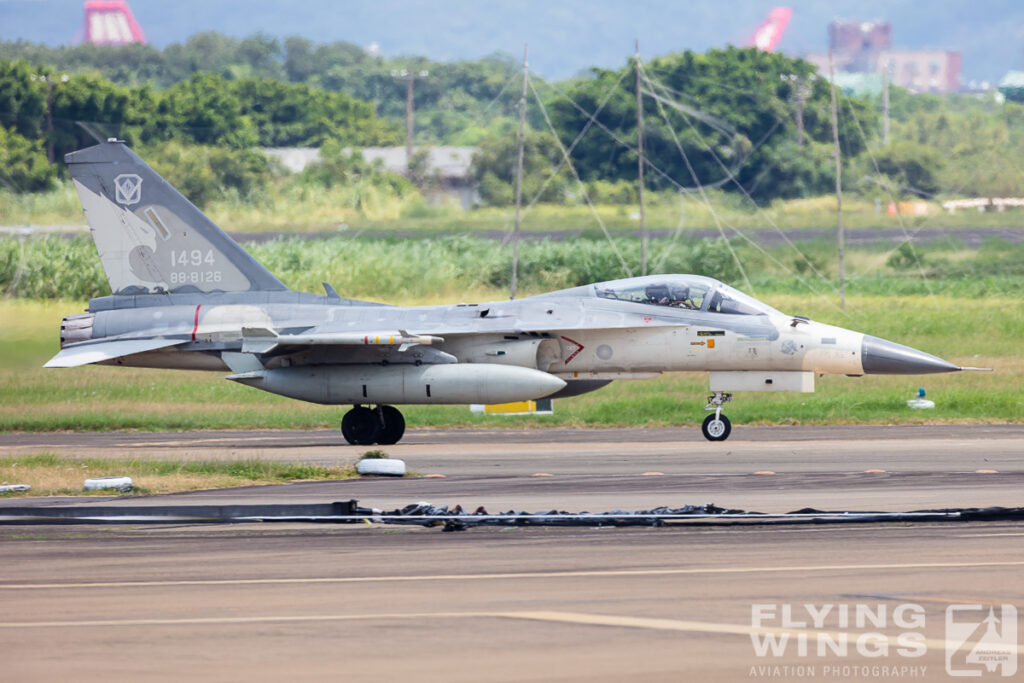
column 1012, row 86
column 857, row 84
column 448, row 166
column 855, row 44
column 934, row 71
column 295, row 159
column 865, row 47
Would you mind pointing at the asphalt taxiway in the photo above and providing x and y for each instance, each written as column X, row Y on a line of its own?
column 307, row 602
column 771, row 469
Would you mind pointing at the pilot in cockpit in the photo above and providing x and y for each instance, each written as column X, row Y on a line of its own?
column 675, row 295
column 681, row 297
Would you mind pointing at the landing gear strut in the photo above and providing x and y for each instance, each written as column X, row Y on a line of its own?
column 716, row 427
column 364, row 426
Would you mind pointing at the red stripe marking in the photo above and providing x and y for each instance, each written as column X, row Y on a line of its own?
column 579, row 347
column 195, row 325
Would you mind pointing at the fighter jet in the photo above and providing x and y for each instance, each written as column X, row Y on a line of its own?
column 185, row 295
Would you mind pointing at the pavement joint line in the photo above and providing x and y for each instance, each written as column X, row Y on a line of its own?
column 512, row 575
column 577, row 618
column 905, row 597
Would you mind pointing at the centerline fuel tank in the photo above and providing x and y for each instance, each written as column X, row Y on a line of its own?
column 404, row 384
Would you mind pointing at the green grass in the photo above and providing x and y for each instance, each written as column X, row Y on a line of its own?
column 461, row 268
column 292, row 207
column 49, row 474
column 969, row 331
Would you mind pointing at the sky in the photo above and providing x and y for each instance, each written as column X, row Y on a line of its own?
column 565, row 36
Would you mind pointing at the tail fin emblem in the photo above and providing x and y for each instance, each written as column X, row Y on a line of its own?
column 128, row 189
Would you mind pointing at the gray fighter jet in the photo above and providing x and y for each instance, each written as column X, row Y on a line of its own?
column 185, row 295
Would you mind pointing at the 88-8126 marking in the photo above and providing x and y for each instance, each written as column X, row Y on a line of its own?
column 195, row 277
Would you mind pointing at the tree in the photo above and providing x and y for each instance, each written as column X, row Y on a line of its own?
column 23, row 164
column 204, row 174
column 295, row 114
column 731, row 112
column 915, row 166
column 494, row 169
column 22, row 99
column 204, row 110
column 98, row 104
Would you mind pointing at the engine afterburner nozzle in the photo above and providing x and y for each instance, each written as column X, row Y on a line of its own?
column 882, row 357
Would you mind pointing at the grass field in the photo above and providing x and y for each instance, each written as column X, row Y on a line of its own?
column 982, row 331
column 466, row 268
column 54, row 475
column 309, row 209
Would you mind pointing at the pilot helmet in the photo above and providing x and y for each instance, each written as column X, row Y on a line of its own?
column 656, row 292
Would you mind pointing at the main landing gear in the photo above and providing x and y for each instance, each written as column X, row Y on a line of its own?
column 364, row 426
column 717, row 427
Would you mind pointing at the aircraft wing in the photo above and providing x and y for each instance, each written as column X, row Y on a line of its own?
column 83, row 354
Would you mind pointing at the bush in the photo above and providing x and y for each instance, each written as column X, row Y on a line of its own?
column 494, row 169
column 204, row 174
column 915, row 166
column 338, row 166
column 23, row 164
column 51, row 267
column 905, row 257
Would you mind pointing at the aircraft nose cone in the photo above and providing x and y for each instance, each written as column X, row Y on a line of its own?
column 881, row 357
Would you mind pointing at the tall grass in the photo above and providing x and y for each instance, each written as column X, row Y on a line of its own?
column 56, row 267
column 287, row 205
column 59, row 206
column 455, row 268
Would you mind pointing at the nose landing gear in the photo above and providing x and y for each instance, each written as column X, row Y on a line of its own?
column 364, row 426
column 717, row 427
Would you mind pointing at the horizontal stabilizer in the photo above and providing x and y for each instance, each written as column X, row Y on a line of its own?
column 83, row 354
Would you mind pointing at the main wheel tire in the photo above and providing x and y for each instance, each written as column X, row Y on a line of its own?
column 360, row 426
column 716, row 429
column 394, row 426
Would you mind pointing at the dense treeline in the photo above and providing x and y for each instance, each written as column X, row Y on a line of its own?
column 452, row 98
column 38, row 102
column 44, row 115
column 739, row 119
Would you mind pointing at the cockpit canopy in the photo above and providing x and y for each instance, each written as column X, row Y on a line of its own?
column 688, row 292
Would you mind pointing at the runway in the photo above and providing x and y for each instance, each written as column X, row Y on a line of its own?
column 770, row 469
column 306, row 602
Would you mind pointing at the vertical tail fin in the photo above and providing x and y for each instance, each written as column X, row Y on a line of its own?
column 150, row 238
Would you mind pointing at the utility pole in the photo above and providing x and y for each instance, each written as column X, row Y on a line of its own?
column 640, row 162
column 799, row 117
column 409, row 77
column 49, row 117
column 885, row 104
column 802, row 91
column 408, row 121
column 839, row 187
column 519, row 176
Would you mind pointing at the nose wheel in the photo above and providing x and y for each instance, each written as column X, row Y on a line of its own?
column 364, row 426
column 716, row 427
